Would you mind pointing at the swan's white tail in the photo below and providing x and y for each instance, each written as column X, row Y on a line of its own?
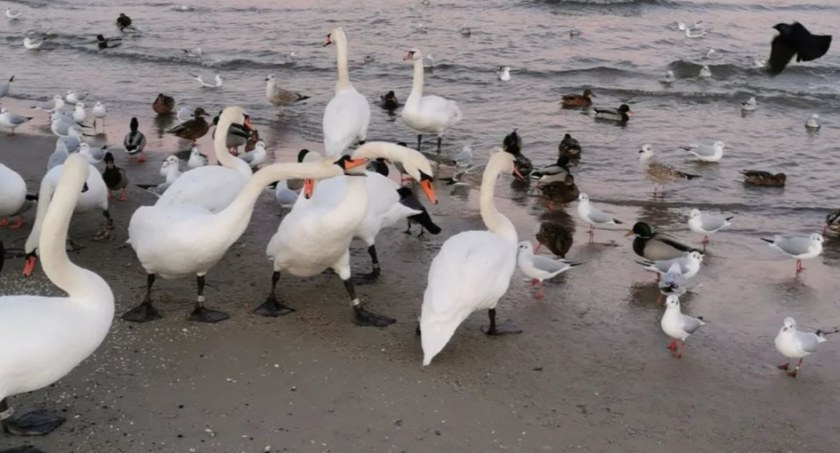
column 435, row 335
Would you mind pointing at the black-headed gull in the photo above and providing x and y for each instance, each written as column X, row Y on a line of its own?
column 79, row 114
column 749, row 105
column 99, row 112
column 217, row 84
column 539, row 268
column 795, row 344
column 707, row 152
column 593, row 216
column 72, row 97
column 5, row 86
column 12, row 120
column 196, row 158
column 503, row 73
column 813, row 122
column 705, row 72
column 256, row 156
column 677, row 325
column 689, row 264
column 799, row 247
column 703, row 222
column 56, row 103
column 669, row 78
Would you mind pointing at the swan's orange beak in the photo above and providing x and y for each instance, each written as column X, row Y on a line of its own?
column 353, row 163
column 308, row 187
column 29, row 264
column 429, row 191
column 517, row 174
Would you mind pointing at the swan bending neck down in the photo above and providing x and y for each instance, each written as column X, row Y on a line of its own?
column 347, row 115
column 427, row 114
column 176, row 241
column 316, row 234
column 472, row 270
column 44, row 338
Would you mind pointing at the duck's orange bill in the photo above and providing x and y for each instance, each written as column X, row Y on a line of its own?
column 429, row 190
column 29, row 265
column 308, row 187
column 629, row 233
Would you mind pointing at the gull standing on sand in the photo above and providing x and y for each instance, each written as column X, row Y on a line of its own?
column 659, row 173
column 795, row 344
column 56, row 103
column 280, row 96
column 799, row 247
column 677, row 325
column 99, row 112
column 593, row 216
column 5, row 86
column 689, row 265
column 204, row 84
column 706, row 152
column 813, row 122
column 170, row 170
column 540, row 268
column 12, row 120
column 284, row 196
column 79, row 114
column 702, row 222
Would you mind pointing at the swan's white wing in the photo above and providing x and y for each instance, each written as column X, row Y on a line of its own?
column 212, row 187
column 346, row 120
column 443, row 110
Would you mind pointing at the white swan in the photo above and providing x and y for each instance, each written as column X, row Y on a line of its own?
column 347, row 115
column 44, row 338
column 212, row 186
column 316, row 235
column 12, row 196
column 472, row 270
column 427, row 114
column 384, row 208
column 94, row 196
column 180, row 240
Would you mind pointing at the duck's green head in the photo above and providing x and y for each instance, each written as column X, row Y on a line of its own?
column 641, row 229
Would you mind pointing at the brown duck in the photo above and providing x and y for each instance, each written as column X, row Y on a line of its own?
column 163, row 105
column 763, row 178
column 561, row 192
column 192, row 129
column 578, row 100
column 556, row 232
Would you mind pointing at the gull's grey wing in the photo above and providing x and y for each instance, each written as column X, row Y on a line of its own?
column 690, row 324
column 549, row 265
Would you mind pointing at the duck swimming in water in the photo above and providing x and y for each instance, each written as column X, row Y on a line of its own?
column 578, row 100
column 620, row 115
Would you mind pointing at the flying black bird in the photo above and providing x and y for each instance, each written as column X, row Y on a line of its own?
column 408, row 199
column 795, row 39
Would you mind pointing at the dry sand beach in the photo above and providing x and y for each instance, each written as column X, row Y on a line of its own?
column 590, row 372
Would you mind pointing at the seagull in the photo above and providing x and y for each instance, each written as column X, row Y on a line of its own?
column 701, row 222
column 593, row 216
column 689, row 265
column 799, row 247
column 61, row 124
column 204, row 84
column 284, row 196
column 194, row 53
column 13, row 14
column 5, row 86
column 79, row 113
column 681, row 26
column 574, row 32
column 72, row 97
column 196, row 158
column 706, row 152
column 705, row 72
column 99, row 112
column 280, row 96
column 695, row 32
column 795, row 344
column 677, row 325
column 168, row 169
column 465, row 31
column 56, row 103
column 713, row 54
column 669, row 78
column 463, row 160
column 540, row 268
column 256, row 156
column 31, row 43
column 672, row 283
column 749, row 105
column 12, row 120
column 94, row 155
column 503, row 73
column 813, row 122
column 659, row 173
column 794, row 39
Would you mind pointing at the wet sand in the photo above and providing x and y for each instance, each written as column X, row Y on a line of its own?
column 589, row 373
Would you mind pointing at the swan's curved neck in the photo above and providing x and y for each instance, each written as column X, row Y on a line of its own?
column 417, row 86
column 81, row 284
column 45, row 193
column 495, row 221
column 343, row 83
column 222, row 154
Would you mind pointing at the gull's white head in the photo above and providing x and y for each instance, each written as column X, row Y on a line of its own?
column 583, row 198
column 694, row 213
column 672, row 302
column 817, row 237
column 719, row 145
column 526, row 247
column 646, row 152
column 695, row 255
column 80, row 106
column 789, row 324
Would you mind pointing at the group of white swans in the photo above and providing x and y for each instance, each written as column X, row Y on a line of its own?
column 205, row 210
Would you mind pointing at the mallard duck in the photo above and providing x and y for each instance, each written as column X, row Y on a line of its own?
column 512, row 144
column 557, row 237
column 107, row 43
column 114, row 177
column 561, row 192
column 134, row 141
column 389, row 101
column 832, row 222
column 764, row 178
column 123, row 22
column 194, row 128
column 569, row 147
column 163, row 105
column 578, row 100
column 620, row 115
column 656, row 246
column 554, row 172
